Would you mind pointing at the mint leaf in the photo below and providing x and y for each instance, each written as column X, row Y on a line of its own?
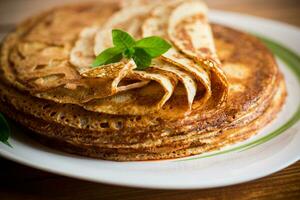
column 110, row 55
column 141, row 58
column 4, row 131
column 128, row 53
column 154, row 46
column 141, row 51
column 122, row 39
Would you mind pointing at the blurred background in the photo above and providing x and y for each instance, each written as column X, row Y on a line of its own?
column 13, row 11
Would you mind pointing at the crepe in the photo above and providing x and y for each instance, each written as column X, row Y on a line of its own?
column 81, row 58
column 180, row 106
column 163, row 22
column 181, row 67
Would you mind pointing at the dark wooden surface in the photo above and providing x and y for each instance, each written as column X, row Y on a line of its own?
column 20, row 182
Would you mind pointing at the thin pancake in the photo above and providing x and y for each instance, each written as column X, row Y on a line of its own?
column 157, row 24
column 102, row 42
column 191, row 33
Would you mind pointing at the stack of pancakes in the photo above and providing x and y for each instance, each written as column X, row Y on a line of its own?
column 215, row 86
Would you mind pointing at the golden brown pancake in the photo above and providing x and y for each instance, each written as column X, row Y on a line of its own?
column 256, row 92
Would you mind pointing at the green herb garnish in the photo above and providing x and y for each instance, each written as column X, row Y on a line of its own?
column 141, row 51
column 4, row 130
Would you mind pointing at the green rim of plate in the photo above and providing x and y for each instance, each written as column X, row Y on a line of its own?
column 4, row 130
column 292, row 60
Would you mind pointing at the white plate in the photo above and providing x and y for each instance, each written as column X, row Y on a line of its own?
column 274, row 148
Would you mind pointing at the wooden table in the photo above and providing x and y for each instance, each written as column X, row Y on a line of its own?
column 20, row 182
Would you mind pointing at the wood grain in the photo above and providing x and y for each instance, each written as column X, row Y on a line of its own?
column 20, row 182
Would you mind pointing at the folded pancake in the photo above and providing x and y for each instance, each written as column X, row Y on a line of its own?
column 163, row 22
column 126, row 102
column 184, row 74
column 187, row 81
column 190, row 32
column 76, row 82
column 100, row 40
column 118, row 20
column 82, row 56
column 116, row 72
